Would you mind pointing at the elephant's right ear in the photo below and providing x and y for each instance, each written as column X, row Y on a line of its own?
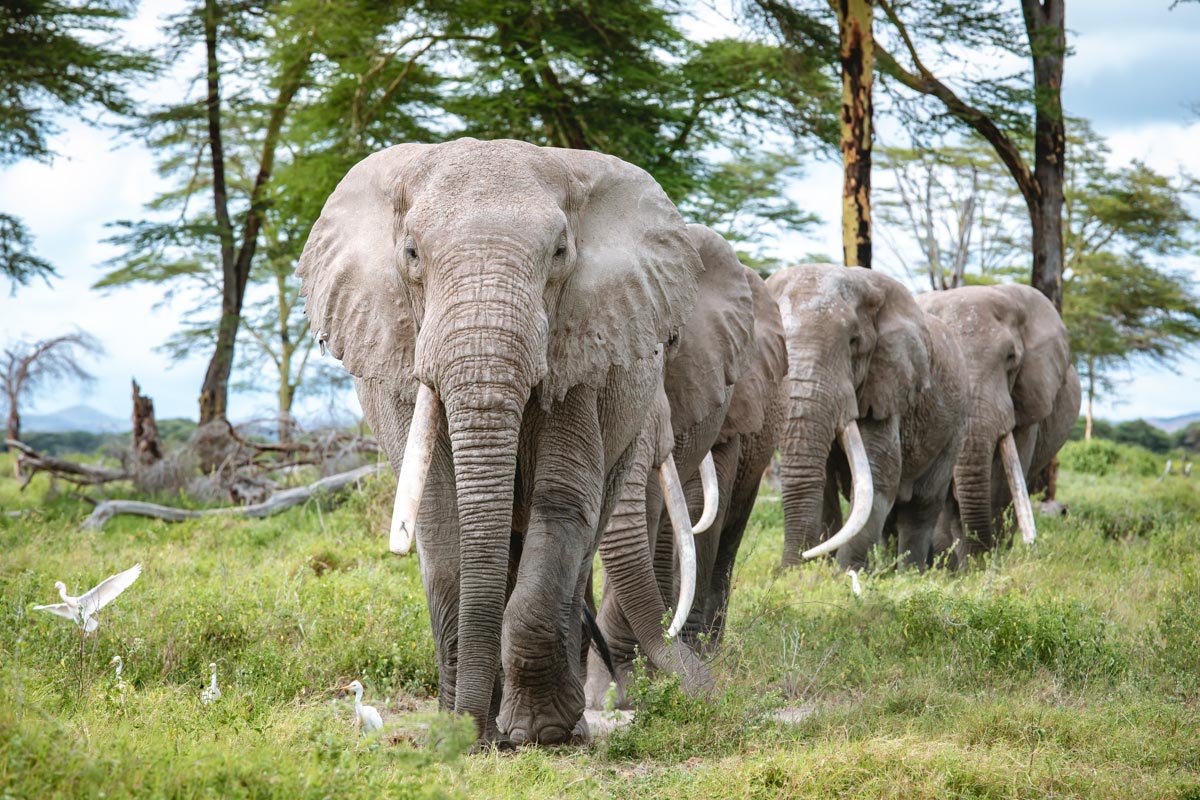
column 354, row 300
column 633, row 283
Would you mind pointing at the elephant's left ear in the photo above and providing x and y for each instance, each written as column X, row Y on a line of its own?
column 633, row 283
column 1047, row 355
column 354, row 301
column 899, row 367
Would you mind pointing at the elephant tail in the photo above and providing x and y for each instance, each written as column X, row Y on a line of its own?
column 592, row 630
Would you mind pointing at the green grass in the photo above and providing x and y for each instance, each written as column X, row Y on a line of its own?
column 1067, row 670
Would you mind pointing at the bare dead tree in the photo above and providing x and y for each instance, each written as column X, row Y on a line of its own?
column 29, row 366
column 145, row 446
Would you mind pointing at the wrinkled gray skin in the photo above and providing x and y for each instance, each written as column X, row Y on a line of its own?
column 1021, row 380
column 713, row 351
column 741, row 453
column 533, row 290
column 859, row 348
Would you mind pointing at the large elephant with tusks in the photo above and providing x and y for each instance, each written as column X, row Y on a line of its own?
column 506, row 310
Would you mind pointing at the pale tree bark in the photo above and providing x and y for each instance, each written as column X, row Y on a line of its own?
column 855, row 33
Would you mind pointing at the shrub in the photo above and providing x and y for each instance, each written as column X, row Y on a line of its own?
column 1102, row 457
column 1175, row 643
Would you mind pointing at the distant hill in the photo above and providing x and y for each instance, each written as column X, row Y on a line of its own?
column 74, row 418
column 1172, row 424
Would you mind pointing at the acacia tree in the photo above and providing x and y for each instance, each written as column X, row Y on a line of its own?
column 55, row 57
column 994, row 108
column 32, row 365
column 1120, row 308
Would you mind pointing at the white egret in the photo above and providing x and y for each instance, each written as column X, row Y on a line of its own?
column 366, row 718
column 212, row 693
column 855, row 586
column 82, row 609
column 116, row 661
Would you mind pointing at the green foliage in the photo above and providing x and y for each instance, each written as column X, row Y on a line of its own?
column 1142, row 434
column 1175, row 643
column 17, row 260
column 56, row 56
column 1104, row 457
column 1188, row 438
column 1076, row 660
column 1101, row 429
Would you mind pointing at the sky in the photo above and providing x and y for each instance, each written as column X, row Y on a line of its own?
column 1132, row 72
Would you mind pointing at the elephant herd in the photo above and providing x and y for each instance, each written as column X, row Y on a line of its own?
column 558, row 365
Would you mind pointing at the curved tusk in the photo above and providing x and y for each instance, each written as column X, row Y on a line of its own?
column 1017, row 488
column 712, row 494
column 681, row 526
column 861, row 497
column 414, row 469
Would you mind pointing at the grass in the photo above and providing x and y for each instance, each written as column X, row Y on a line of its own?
column 1067, row 670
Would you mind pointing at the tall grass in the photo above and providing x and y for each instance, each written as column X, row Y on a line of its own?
column 1071, row 669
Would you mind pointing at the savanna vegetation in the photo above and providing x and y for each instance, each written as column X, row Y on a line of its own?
column 1068, row 670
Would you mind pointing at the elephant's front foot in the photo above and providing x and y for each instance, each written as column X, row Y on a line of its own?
column 533, row 718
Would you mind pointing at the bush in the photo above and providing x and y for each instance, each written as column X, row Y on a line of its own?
column 1176, row 645
column 1102, row 457
column 1142, row 433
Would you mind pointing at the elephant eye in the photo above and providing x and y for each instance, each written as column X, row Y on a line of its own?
column 561, row 251
column 410, row 252
column 854, row 340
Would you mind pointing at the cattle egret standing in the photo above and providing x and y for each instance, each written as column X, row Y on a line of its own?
column 82, row 609
column 855, row 586
column 212, row 693
column 366, row 718
column 116, row 661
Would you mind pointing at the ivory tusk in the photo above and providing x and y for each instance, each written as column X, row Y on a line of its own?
column 414, row 469
column 861, row 497
column 681, row 526
column 1016, row 486
column 712, row 494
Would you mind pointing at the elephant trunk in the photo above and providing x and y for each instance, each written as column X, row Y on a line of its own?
column 808, row 436
column 973, row 486
column 482, row 362
column 629, row 569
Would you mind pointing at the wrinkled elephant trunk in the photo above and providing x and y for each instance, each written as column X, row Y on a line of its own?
column 808, row 436
column 482, row 364
column 973, row 487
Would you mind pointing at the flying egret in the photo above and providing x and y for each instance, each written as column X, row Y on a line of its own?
column 212, row 693
column 82, row 609
column 116, row 661
column 366, row 718
column 855, row 586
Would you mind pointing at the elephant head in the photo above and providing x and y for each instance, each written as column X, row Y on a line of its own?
column 858, row 349
column 1018, row 361
column 480, row 276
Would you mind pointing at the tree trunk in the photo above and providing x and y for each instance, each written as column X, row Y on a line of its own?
column 855, row 18
column 214, row 393
column 235, row 267
column 1044, row 25
column 144, row 442
column 1091, row 393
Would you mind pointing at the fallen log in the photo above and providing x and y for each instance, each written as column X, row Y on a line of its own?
column 276, row 503
column 81, row 474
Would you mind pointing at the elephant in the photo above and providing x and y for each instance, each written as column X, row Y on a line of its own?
column 506, row 310
column 710, row 357
column 1023, row 399
column 742, row 452
column 874, row 385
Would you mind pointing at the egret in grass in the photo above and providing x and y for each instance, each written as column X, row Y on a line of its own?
column 116, row 662
column 82, row 609
column 855, row 586
column 213, row 693
column 366, row 718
